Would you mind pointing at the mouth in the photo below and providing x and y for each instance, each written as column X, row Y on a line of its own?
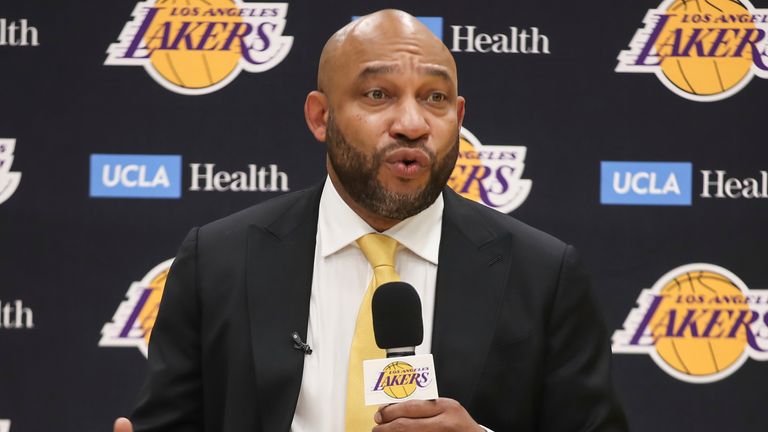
column 407, row 163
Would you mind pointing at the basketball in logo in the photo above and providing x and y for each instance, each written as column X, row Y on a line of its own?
column 198, row 68
column 702, row 71
column 148, row 314
column 397, row 372
column 697, row 296
column 132, row 324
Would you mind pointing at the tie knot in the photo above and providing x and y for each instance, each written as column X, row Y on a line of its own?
column 379, row 249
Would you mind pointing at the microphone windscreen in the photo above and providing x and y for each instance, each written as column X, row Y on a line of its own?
column 396, row 310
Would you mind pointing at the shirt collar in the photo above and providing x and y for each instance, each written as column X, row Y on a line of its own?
column 339, row 226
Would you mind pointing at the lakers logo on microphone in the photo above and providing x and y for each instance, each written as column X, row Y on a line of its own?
column 399, row 379
column 387, row 380
column 134, row 319
column 699, row 323
column 196, row 47
column 701, row 50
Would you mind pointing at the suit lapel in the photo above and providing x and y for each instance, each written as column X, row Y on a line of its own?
column 473, row 267
column 279, row 279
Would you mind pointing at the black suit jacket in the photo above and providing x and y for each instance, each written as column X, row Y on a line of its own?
column 517, row 338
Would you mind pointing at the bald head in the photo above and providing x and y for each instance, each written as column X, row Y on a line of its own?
column 388, row 35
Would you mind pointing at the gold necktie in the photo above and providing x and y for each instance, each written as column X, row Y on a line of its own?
column 379, row 249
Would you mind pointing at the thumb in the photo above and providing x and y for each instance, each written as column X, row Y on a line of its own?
column 123, row 425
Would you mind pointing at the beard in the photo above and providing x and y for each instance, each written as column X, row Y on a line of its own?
column 358, row 174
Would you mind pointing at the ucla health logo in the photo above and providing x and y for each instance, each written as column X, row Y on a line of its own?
column 646, row 183
column 17, row 34
column 702, row 51
column 14, row 315
column 196, row 47
column 132, row 324
column 135, row 176
column 9, row 180
column 699, row 323
column 470, row 39
column 491, row 175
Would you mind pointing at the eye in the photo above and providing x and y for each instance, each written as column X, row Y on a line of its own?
column 376, row 94
column 437, row 97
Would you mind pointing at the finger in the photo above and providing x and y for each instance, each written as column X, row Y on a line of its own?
column 408, row 424
column 123, row 425
column 411, row 409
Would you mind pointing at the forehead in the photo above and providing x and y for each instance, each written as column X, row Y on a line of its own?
column 377, row 49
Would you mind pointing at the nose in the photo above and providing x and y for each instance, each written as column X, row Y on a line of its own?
column 410, row 123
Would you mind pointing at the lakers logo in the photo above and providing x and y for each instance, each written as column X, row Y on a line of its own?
column 699, row 323
column 399, row 379
column 196, row 47
column 490, row 175
column 703, row 50
column 9, row 180
column 132, row 324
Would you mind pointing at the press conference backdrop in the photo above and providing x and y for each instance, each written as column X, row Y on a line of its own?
column 633, row 130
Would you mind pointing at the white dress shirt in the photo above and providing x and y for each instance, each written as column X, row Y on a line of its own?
column 339, row 280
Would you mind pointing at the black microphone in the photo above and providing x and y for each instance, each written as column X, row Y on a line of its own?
column 299, row 344
column 397, row 324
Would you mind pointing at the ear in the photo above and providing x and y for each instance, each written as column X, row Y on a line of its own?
column 316, row 114
column 460, row 110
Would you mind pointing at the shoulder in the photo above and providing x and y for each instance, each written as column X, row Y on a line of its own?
column 479, row 220
column 296, row 207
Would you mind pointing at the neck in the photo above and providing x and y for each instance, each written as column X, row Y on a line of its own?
column 377, row 222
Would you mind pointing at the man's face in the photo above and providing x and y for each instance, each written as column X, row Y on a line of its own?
column 360, row 173
column 393, row 122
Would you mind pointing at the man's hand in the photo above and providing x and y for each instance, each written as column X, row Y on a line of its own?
column 442, row 414
column 123, row 425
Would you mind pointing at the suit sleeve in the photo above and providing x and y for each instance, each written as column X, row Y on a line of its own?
column 171, row 398
column 578, row 393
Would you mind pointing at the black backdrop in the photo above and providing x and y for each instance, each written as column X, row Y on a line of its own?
column 67, row 260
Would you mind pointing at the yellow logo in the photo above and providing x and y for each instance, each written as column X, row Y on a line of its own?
column 701, row 50
column 699, row 323
column 132, row 324
column 195, row 47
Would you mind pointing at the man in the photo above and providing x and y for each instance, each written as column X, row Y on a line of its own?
column 507, row 310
